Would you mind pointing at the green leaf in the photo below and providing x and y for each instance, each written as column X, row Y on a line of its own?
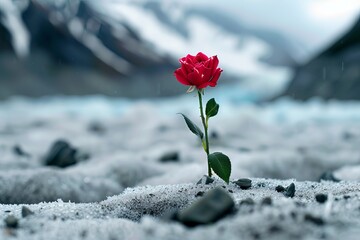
column 212, row 108
column 192, row 126
column 221, row 165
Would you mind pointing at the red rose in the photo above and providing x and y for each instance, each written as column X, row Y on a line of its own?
column 198, row 71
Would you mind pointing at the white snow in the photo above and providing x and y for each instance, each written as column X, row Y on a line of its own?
column 239, row 55
column 12, row 20
column 281, row 140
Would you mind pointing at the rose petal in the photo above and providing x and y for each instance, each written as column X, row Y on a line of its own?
column 214, row 63
column 215, row 78
column 190, row 59
column 187, row 68
column 195, row 78
column 181, row 77
column 201, row 57
column 206, row 73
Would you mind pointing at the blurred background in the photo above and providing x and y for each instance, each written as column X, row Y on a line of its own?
column 87, row 88
column 300, row 48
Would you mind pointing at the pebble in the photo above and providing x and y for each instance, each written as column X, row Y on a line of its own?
column 25, row 211
column 290, row 190
column 321, row 198
column 199, row 194
column 205, row 180
column 61, row 154
column 243, row 183
column 315, row 220
column 214, row 205
column 279, row 188
column 266, row 201
column 20, row 152
column 97, row 128
column 170, row 157
column 329, row 176
column 11, row 221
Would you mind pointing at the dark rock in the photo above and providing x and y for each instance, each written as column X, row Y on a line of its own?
column 61, row 154
column 213, row 206
column 243, row 183
column 333, row 74
column 25, row 211
column 275, row 229
column 290, row 191
column 300, row 204
column 328, row 176
column 346, row 197
column 266, row 201
column 11, row 221
column 321, row 198
column 279, row 188
column 20, row 152
column 170, row 157
column 244, row 149
column 348, row 135
column 315, row 220
column 97, row 128
column 205, row 180
column 214, row 135
column 199, row 194
column 247, row 201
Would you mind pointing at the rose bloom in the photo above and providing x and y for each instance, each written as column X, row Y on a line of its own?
column 198, row 71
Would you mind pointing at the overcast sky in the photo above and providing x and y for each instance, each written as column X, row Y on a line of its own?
column 315, row 23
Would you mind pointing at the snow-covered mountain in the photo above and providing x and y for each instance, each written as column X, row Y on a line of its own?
column 129, row 46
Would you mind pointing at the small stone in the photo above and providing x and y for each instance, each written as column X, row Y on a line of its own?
column 205, row 180
column 348, row 135
column 247, row 201
column 266, row 201
column 11, row 221
column 321, row 198
column 290, row 190
column 329, row 176
column 214, row 135
column 275, row 229
column 199, row 194
column 315, row 220
column 61, row 154
column 243, row 183
column 346, row 197
column 25, row 211
column 214, row 205
column 244, row 149
column 300, row 204
column 279, row 188
column 170, row 157
column 20, row 152
column 97, row 128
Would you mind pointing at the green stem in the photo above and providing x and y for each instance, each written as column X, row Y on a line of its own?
column 206, row 131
